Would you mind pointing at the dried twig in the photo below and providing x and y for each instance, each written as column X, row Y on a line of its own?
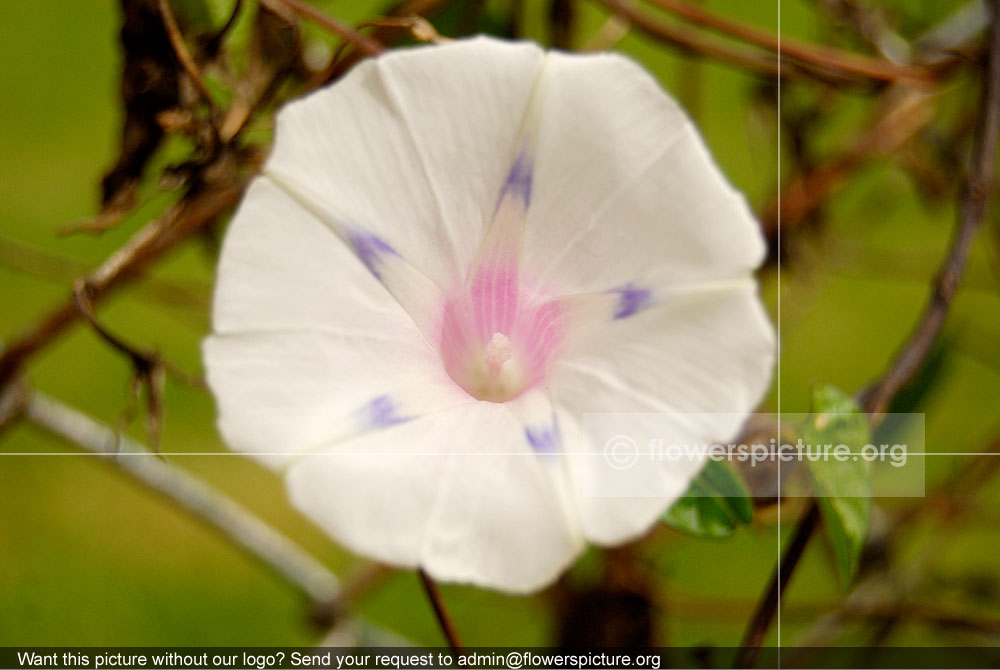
column 13, row 401
column 183, row 54
column 198, row 210
column 212, row 43
column 955, row 33
column 148, row 366
column 935, row 616
column 612, row 31
column 150, row 85
column 36, row 262
column 753, row 61
column 386, row 34
column 976, row 197
column 420, row 28
column 975, row 203
column 274, row 52
column 362, row 43
column 803, row 54
column 869, row 24
column 902, row 115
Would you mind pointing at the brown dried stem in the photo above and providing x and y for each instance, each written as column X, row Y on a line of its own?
column 803, row 54
column 440, row 611
column 155, row 240
column 183, row 54
column 385, row 34
column 753, row 61
column 362, row 43
column 902, row 115
column 769, row 603
column 977, row 194
column 974, row 207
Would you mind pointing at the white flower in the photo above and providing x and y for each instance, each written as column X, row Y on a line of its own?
column 452, row 255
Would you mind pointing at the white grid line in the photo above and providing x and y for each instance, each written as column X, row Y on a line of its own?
column 778, row 247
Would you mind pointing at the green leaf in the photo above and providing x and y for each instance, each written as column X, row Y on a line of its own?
column 716, row 503
column 842, row 484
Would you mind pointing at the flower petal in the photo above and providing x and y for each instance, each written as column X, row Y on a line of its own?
column 619, row 494
column 641, row 198
column 375, row 151
column 282, row 394
column 583, row 312
column 413, row 291
column 460, row 493
column 702, row 360
column 697, row 353
column 309, row 347
column 282, row 269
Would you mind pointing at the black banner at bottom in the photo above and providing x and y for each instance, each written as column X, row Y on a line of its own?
column 487, row 658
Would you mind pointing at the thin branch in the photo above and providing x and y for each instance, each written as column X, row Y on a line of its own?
column 13, row 401
column 885, row 615
column 608, row 35
column 138, row 357
column 932, row 615
column 35, row 262
column 869, row 25
column 383, row 35
column 362, row 43
column 213, row 42
column 420, row 28
column 809, row 55
column 354, row 588
column 183, row 55
column 423, row 8
column 233, row 520
column 757, row 63
column 440, row 611
column 960, row 489
column 869, row 595
column 770, row 601
column 956, row 32
column 274, row 52
column 975, row 204
column 976, row 197
column 902, row 114
column 358, row 585
column 149, row 244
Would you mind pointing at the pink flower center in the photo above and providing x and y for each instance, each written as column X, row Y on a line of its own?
column 496, row 341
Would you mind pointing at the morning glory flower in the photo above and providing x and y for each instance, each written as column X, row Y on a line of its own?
column 452, row 256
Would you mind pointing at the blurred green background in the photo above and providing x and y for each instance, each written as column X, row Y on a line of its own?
column 87, row 557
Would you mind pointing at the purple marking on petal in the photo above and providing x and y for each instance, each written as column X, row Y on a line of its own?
column 544, row 439
column 631, row 300
column 370, row 249
column 381, row 412
column 519, row 180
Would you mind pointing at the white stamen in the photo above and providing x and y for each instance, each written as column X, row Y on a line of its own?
column 498, row 351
